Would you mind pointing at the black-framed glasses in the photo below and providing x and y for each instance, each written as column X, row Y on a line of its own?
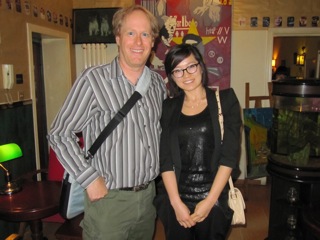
column 178, row 73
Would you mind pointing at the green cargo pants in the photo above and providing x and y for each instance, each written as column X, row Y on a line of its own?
column 121, row 215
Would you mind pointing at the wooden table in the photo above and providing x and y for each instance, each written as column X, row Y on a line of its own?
column 36, row 200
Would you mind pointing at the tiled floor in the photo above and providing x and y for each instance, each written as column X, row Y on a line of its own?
column 257, row 215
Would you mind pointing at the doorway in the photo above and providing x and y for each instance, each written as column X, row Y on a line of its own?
column 50, row 81
column 286, row 48
column 40, row 98
column 291, row 33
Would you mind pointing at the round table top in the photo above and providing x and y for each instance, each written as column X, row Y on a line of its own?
column 35, row 201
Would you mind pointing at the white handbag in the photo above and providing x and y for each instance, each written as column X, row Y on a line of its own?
column 236, row 203
column 235, row 198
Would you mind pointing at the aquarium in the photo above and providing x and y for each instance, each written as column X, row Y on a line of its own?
column 295, row 133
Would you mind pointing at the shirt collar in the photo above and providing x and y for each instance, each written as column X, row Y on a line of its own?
column 116, row 70
column 143, row 82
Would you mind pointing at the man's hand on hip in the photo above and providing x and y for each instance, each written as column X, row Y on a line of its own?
column 97, row 189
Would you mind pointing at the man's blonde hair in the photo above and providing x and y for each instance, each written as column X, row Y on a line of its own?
column 121, row 14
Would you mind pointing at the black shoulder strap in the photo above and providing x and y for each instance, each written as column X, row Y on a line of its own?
column 113, row 124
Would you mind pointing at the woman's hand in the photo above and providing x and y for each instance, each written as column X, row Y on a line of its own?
column 181, row 210
column 202, row 210
column 183, row 215
column 97, row 189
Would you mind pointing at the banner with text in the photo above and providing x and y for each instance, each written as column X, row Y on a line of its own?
column 207, row 24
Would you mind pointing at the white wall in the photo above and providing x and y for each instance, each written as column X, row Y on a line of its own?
column 55, row 59
column 250, row 63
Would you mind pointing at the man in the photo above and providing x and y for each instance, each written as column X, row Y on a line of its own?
column 119, row 179
column 280, row 73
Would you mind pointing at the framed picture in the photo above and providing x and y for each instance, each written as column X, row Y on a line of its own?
column 257, row 123
column 93, row 25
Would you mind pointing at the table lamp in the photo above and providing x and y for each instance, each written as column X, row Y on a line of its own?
column 8, row 152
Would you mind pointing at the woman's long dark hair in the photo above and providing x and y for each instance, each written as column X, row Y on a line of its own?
column 176, row 55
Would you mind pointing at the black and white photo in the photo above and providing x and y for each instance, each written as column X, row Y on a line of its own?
column 93, row 25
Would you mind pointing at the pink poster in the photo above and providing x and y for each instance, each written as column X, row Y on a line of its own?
column 207, row 24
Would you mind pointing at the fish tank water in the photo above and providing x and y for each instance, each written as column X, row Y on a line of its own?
column 294, row 137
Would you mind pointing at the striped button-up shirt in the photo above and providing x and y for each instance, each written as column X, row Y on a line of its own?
column 130, row 155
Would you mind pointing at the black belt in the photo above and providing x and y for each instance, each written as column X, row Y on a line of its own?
column 136, row 188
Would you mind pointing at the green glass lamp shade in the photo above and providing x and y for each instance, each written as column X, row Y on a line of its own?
column 9, row 151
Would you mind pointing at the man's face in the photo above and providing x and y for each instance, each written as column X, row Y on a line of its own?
column 135, row 40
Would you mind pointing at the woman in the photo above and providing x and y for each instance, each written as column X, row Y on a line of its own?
column 194, row 164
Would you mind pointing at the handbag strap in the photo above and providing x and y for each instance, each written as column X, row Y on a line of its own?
column 113, row 123
column 222, row 130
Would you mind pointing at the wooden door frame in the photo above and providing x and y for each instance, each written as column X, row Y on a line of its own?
column 61, row 41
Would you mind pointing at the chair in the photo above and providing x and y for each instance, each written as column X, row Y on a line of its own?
column 257, row 99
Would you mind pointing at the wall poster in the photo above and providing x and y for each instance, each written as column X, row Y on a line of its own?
column 207, row 24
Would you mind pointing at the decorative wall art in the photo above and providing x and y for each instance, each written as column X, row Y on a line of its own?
column 290, row 21
column 93, row 25
column 266, row 21
column 206, row 25
column 315, row 21
column 257, row 124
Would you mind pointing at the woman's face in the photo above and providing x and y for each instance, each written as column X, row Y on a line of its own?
column 188, row 74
